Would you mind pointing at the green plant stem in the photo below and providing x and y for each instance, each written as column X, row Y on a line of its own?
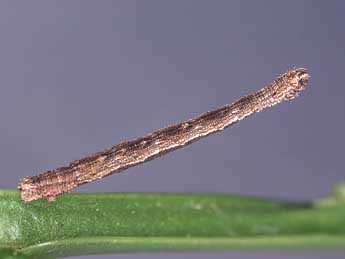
column 133, row 222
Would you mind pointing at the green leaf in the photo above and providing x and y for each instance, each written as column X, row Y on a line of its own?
column 132, row 222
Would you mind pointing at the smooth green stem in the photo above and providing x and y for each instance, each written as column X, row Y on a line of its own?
column 133, row 222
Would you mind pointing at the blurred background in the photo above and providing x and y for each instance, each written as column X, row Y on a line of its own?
column 79, row 76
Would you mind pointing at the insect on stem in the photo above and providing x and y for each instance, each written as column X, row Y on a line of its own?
column 130, row 153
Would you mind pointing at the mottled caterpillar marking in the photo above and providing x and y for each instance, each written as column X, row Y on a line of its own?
column 130, row 153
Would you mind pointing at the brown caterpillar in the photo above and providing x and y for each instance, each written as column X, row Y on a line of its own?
column 130, row 153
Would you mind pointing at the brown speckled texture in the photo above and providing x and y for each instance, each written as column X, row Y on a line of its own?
column 130, row 153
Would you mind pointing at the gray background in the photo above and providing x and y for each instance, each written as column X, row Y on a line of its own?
column 79, row 76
